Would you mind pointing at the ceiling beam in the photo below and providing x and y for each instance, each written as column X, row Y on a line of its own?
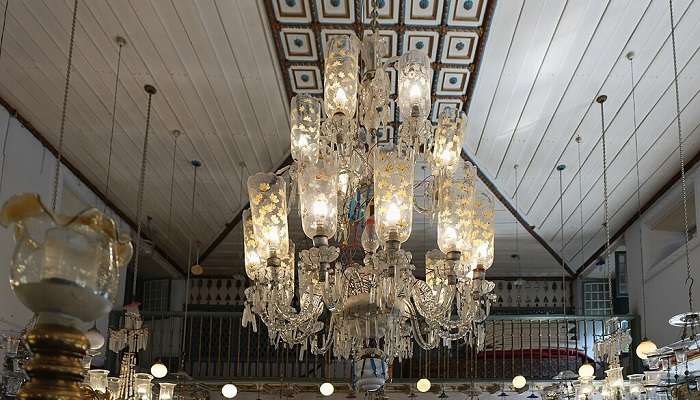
column 645, row 207
column 42, row 139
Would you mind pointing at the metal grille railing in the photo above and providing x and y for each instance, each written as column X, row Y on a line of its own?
column 217, row 346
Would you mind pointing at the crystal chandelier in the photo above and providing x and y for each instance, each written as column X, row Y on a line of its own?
column 370, row 306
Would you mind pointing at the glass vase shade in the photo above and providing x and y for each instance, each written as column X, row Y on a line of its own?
column 447, row 147
column 415, row 77
column 97, row 379
column 64, row 264
column 268, row 207
column 393, row 192
column 305, row 122
column 318, row 195
column 142, row 386
column 340, row 80
column 255, row 266
column 166, row 391
column 456, row 211
column 482, row 235
column 113, row 384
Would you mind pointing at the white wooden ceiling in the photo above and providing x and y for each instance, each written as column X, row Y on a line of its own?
column 218, row 80
column 544, row 64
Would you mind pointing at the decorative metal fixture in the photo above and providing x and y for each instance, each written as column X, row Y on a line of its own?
column 346, row 178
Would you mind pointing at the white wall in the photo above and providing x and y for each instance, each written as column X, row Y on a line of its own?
column 29, row 167
column 664, row 269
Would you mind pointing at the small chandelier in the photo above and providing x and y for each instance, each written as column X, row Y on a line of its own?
column 347, row 182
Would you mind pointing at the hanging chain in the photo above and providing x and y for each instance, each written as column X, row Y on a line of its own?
column 561, row 168
column 4, row 22
column 517, row 242
column 601, row 99
column 64, row 111
column 142, row 183
column 630, row 57
column 195, row 165
column 580, row 196
column 176, row 134
column 688, row 279
column 374, row 14
column 121, row 42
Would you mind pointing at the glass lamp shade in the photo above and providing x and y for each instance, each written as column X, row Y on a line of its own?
column 159, row 370
column 585, row 387
column 448, row 142
column 456, row 211
column 64, row 264
column 11, row 346
column 614, row 377
column 483, row 231
column 253, row 262
column 318, row 196
column 305, row 116
column 415, row 76
column 268, row 207
column 435, row 269
column 423, row 385
column 370, row 238
column 229, row 390
column 166, row 391
column 636, row 385
column 586, row 370
column 326, row 389
column 341, row 76
column 113, row 384
column 519, row 382
column 644, row 348
column 393, row 192
column 97, row 378
column 142, row 386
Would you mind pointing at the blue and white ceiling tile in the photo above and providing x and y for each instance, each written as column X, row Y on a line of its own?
column 299, row 44
column 466, row 13
column 305, row 79
column 459, row 47
column 452, row 82
column 328, row 34
column 388, row 11
column 425, row 41
column 423, row 12
column 292, row 11
column 442, row 104
column 335, row 11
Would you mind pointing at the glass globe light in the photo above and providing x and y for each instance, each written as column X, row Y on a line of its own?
column 166, row 391
column 447, row 146
column 305, row 120
column 67, row 266
column 268, row 206
column 393, row 192
column 415, row 77
column 95, row 338
column 159, row 370
column 318, row 195
column 341, row 75
column 456, row 211
column 326, row 389
column 644, row 348
column 423, row 385
column 483, row 232
column 229, row 390
column 586, row 370
column 197, row 270
column 519, row 382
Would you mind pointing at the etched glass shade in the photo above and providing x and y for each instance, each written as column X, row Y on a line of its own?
column 166, row 391
column 448, row 142
column 435, row 269
column 97, row 379
column 340, row 76
column 253, row 262
column 305, row 120
column 456, row 211
column 142, row 386
column 268, row 206
column 393, row 192
column 483, row 231
column 64, row 264
column 318, row 196
column 414, row 84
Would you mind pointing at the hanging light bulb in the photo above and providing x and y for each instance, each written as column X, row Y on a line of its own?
column 229, row 390
column 370, row 239
column 644, row 348
column 519, row 382
column 326, row 389
column 423, row 385
column 159, row 370
column 586, row 370
column 95, row 338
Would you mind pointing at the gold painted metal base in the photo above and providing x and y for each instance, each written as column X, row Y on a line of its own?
column 55, row 371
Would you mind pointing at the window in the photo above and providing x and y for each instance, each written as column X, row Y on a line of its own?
column 156, row 295
column 596, row 298
column 621, row 273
